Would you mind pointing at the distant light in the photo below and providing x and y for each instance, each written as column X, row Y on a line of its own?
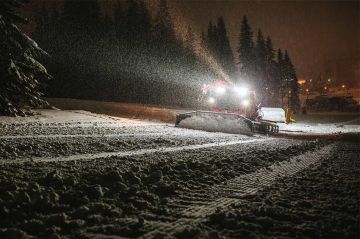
column 307, row 90
column 329, row 80
column 211, row 100
column 325, row 88
column 310, row 80
column 300, row 82
column 220, row 90
column 245, row 103
column 343, row 86
column 242, row 91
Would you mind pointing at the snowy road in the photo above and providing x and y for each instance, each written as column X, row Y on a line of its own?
column 83, row 175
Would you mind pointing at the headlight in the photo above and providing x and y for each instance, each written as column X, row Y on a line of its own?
column 245, row 103
column 220, row 90
column 242, row 91
column 211, row 100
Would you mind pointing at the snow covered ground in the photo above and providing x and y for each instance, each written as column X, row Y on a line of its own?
column 303, row 128
column 77, row 174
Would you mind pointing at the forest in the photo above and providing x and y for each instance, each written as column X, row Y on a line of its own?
column 131, row 56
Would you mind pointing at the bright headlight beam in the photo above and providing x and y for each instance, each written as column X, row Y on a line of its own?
column 242, row 91
column 245, row 103
column 220, row 90
column 211, row 100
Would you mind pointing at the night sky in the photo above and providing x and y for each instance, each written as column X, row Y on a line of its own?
column 320, row 36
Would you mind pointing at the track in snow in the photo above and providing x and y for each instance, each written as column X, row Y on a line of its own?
column 201, row 206
column 107, row 155
column 79, row 135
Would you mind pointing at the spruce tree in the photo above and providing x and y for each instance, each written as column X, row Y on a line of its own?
column 210, row 38
column 293, row 99
column 280, row 81
column 246, row 51
column 20, row 73
column 260, row 64
column 224, row 52
column 270, row 52
column 272, row 89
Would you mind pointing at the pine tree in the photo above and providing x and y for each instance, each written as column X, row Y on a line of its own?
column 20, row 73
column 246, row 51
column 211, row 38
column 281, row 81
column 260, row 65
column 293, row 98
column 224, row 52
column 272, row 89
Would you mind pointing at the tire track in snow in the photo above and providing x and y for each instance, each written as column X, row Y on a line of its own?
column 107, row 155
column 41, row 136
column 224, row 195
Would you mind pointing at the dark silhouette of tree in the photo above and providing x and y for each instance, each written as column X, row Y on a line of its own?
column 217, row 43
column 281, row 80
column 293, row 98
column 20, row 73
column 246, row 52
column 272, row 87
column 224, row 53
column 211, row 38
column 131, row 57
column 260, row 66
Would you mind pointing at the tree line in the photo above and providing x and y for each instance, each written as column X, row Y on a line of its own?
column 271, row 75
column 129, row 56
column 126, row 57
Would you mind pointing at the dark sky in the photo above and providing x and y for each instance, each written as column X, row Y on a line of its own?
column 317, row 34
column 320, row 36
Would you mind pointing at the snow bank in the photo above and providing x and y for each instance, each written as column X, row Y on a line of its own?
column 217, row 123
column 117, row 109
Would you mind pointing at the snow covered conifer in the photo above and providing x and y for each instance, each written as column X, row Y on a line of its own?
column 20, row 72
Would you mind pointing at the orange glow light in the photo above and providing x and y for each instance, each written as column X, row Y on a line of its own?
column 301, row 81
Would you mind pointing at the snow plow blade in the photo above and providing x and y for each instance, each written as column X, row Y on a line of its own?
column 273, row 114
column 223, row 122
